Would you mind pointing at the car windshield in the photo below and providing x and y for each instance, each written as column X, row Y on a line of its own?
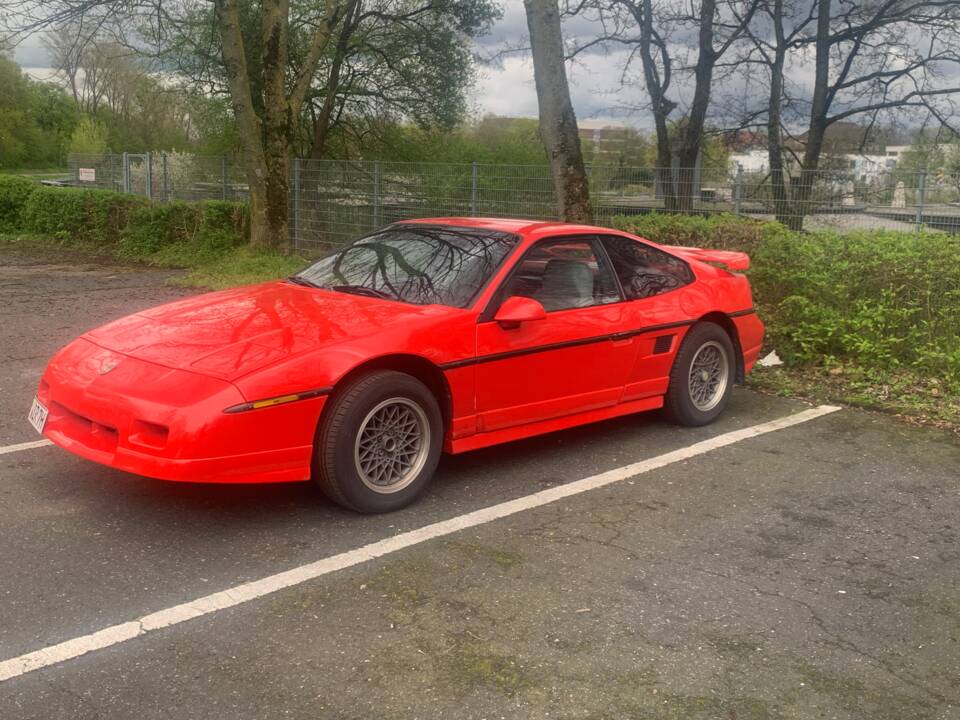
column 415, row 264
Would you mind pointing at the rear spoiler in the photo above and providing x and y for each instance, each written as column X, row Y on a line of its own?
column 730, row 259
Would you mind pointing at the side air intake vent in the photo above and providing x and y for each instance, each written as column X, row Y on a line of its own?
column 662, row 344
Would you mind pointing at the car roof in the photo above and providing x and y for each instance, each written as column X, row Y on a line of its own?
column 517, row 226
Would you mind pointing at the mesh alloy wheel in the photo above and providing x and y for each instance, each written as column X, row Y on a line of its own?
column 709, row 375
column 392, row 444
column 702, row 376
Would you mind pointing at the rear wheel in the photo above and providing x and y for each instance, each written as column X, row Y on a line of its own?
column 702, row 376
column 379, row 442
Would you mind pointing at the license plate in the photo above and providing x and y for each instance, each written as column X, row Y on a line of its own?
column 37, row 416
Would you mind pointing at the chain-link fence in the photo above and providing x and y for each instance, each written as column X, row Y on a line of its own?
column 333, row 201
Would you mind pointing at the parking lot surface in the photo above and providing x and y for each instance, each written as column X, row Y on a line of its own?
column 811, row 572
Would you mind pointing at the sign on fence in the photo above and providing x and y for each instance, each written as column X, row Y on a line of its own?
column 87, row 174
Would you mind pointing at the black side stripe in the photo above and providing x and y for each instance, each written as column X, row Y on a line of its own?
column 573, row 343
column 559, row 346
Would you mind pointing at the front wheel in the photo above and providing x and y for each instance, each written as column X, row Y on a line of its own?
column 702, row 376
column 379, row 442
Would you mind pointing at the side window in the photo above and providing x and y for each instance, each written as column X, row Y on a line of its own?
column 645, row 271
column 563, row 274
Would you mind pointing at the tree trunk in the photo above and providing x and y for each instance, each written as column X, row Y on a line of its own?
column 558, row 124
column 277, row 121
column 659, row 104
column 692, row 133
column 323, row 120
column 820, row 105
column 781, row 201
column 252, row 156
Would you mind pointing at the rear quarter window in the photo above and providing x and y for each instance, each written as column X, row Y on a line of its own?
column 645, row 271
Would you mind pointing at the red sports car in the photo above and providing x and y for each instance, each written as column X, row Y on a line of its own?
column 426, row 336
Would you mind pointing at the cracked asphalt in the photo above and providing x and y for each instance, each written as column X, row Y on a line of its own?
column 813, row 572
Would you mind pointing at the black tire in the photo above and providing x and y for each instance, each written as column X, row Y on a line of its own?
column 679, row 403
column 338, row 464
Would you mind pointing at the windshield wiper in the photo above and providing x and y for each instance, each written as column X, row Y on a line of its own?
column 297, row 280
column 362, row 290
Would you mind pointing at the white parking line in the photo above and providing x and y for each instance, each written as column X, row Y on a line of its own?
column 14, row 667
column 24, row 446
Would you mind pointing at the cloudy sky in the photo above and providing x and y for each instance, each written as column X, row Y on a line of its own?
column 504, row 87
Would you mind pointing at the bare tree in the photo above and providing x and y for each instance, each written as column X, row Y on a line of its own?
column 558, row 123
column 708, row 30
column 66, row 56
column 82, row 53
column 869, row 59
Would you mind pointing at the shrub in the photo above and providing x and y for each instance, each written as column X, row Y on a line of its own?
column 181, row 228
column 14, row 193
column 76, row 216
column 722, row 232
column 128, row 225
column 886, row 300
column 89, row 137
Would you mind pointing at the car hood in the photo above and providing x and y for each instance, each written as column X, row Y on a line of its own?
column 231, row 333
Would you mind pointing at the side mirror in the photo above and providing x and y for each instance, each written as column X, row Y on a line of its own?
column 518, row 309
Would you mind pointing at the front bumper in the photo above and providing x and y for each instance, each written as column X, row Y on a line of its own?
column 169, row 424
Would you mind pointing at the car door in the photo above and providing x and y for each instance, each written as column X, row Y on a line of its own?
column 649, row 279
column 570, row 361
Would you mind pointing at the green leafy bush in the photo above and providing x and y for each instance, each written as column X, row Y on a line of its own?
column 129, row 226
column 720, row 232
column 75, row 216
column 14, row 193
column 165, row 232
column 885, row 300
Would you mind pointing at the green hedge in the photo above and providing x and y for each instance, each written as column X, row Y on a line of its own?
column 14, row 193
column 885, row 300
column 76, row 216
column 127, row 225
column 166, row 232
column 720, row 232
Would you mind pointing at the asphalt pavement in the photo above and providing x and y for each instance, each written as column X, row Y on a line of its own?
column 811, row 572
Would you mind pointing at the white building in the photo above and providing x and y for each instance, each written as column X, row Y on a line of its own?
column 866, row 168
column 752, row 161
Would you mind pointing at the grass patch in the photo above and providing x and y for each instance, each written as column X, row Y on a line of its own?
column 503, row 559
column 478, row 665
column 909, row 396
column 52, row 173
column 240, row 266
column 210, row 269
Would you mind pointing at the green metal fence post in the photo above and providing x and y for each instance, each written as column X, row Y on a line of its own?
column 296, row 203
column 148, row 167
column 738, row 190
column 473, row 189
column 377, row 210
column 921, row 198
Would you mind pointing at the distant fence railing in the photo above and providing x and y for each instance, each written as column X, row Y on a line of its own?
column 334, row 201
